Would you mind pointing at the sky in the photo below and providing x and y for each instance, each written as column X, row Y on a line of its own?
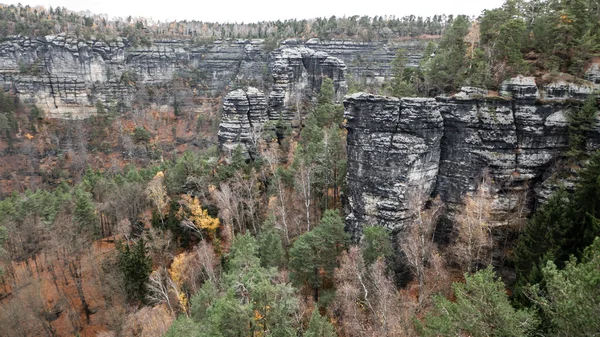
column 259, row 10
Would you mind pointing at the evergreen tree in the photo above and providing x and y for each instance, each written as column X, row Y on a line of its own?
column 270, row 247
column 326, row 112
column 570, row 298
column 203, row 300
column 564, row 226
column 399, row 86
column 250, row 302
column 543, row 237
column 313, row 257
column 376, row 243
column 447, row 69
column 184, row 326
column 319, row 326
column 85, row 213
column 136, row 266
column 481, row 309
column 581, row 122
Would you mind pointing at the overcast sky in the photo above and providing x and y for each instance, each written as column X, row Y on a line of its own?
column 258, row 10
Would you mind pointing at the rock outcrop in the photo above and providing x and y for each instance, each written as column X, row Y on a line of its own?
column 444, row 145
column 393, row 156
column 244, row 114
column 66, row 77
column 297, row 75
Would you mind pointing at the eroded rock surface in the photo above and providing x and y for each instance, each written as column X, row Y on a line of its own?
column 244, row 115
column 66, row 77
column 393, row 156
column 297, row 75
column 444, row 145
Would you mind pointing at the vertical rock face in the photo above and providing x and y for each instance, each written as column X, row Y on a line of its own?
column 244, row 114
column 297, row 74
column 369, row 62
column 66, row 76
column 393, row 157
column 444, row 145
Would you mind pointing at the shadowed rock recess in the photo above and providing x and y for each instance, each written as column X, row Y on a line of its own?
column 401, row 151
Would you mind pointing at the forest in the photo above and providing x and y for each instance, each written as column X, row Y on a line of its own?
column 138, row 226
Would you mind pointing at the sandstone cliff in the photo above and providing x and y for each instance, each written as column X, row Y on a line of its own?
column 66, row 77
column 402, row 148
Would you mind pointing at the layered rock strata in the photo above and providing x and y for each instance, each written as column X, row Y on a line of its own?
column 297, row 75
column 66, row 77
column 393, row 157
column 444, row 145
column 244, row 114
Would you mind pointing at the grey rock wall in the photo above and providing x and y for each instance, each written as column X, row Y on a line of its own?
column 444, row 145
column 244, row 114
column 393, row 157
column 65, row 76
column 297, row 75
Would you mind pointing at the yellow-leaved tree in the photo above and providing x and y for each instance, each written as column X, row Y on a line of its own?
column 178, row 274
column 195, row 217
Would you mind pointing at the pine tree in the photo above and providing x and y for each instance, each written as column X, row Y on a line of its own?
column 376, row 243
column 581, row 122
column 481, row 309
column 326, row 112
column 270, row 247
column 543, row 239
column 564, row 226
column 85, row 213
column 319, row 326
column 399, row 87
column 313, row 257
column 569, row 300
column 447, row 69
column 136, row 266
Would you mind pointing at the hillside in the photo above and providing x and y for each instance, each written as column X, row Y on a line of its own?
column 343, row 176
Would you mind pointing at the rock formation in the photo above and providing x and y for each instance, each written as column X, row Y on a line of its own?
column 244, row 114
column 297, row 75
column 402, row 148
column 393, row 156
column 65, row 76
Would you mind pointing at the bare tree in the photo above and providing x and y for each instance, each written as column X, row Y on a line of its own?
column 392, row 317
column 270, row 154
column 207, row 261
column 352, row 297
column 229, row 206
column 367, row 301
column 248, row 187
column 148, row 322
column 157, row 193
column 303, row 183
column 160, row 287
column 474, row 236
column 418, row 241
